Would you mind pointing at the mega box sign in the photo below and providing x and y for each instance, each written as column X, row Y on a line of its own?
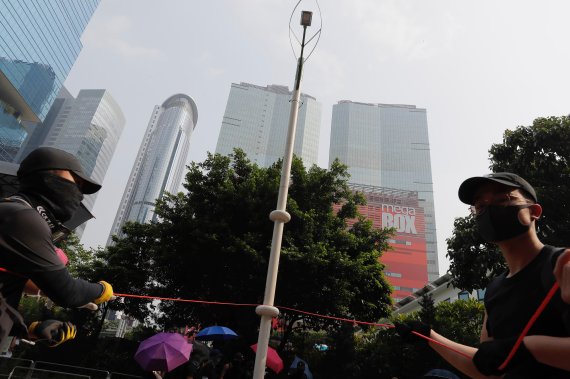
column 406, row 262
column 401, row 218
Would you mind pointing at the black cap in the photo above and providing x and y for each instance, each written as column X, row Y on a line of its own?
column 468, row 188
column 49, row 158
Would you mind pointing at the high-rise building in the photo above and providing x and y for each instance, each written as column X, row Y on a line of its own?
column 386, row 149
column 88, row 127
column 256, row 120
column 160, row 162
column 51, row 126
column 40, row 41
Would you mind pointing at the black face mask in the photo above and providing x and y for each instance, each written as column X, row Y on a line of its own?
column 501, row 223
column 59, row 195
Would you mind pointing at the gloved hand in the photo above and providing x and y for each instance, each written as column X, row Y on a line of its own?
column 54, row 332
column 405, row 330
column 492, row 354
column 106, row 294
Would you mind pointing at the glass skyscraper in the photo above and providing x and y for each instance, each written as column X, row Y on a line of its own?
column 88, row 127
column 39, row 43
column 387, row 146
column 161, row 161
column 257, row 119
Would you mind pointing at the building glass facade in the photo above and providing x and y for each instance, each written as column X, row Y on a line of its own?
column 256, row 120
column 387, row 145
column 39, row 43
column 161, row 161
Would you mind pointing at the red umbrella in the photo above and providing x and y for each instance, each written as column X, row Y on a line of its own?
column 163, row 352
column 273, row 360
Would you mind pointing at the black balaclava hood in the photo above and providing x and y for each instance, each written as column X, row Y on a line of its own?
column 59, row 196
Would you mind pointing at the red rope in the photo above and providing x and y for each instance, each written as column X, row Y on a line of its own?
column 531, row 322
column 347, row 320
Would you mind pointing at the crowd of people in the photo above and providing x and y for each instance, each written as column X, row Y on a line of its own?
column 212, row 365
column 505, row 207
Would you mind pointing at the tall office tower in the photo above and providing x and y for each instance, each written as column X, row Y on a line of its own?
column 160, row 162
column 88, row 127
column 386, row 148
column 257, row 118
column 52, row 124
column 39, row 44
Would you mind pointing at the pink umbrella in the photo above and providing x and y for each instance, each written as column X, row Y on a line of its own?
column 273, row 360
column 163, row 352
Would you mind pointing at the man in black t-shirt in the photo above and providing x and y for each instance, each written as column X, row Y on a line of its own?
column 52, row 184
column 505, row 209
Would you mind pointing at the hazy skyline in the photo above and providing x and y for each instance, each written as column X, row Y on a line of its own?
column 478, row 68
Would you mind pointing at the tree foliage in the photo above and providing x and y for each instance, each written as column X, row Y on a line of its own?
column 540, row 153
column 383, row 354
column 473, row 262
column 81, row 261
column 427, row 311
column 213, row 242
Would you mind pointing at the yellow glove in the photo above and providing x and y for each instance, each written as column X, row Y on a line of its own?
column 107, row 293
column 52, row 331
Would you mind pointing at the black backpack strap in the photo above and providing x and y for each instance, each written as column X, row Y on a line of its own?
column 18, row 199
column 548, row 279
column 547, row 275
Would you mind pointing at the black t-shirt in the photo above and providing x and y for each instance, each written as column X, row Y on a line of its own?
column 27, row 252
column 511, row 302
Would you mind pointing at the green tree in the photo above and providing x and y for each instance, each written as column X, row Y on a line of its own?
column 461, row 320
column 213, row 243
column 427, row 312
column 81, row 261
column 381, row 353
column 540, row 153
column 473, row 262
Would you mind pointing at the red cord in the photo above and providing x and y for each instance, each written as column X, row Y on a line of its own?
column 351, row 321
column 347, row 320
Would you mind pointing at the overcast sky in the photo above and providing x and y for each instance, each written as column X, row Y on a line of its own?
column 478, row 67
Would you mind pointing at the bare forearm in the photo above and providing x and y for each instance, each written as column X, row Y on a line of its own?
column 460, row 362
column 551, row 351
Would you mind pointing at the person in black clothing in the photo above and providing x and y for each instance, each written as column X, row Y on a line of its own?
column 505, row 209
column 52, row 184
column 298, row 372
column 237, row 368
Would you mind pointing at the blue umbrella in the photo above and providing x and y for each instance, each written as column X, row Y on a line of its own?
column 216, row 333
column 307, row 371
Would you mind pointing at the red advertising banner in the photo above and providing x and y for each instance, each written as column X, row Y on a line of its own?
column 406, row 264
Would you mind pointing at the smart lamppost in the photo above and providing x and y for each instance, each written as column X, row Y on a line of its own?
column 280, row 216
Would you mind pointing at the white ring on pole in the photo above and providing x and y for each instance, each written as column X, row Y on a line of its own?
column 267, row 310
column 278, row 215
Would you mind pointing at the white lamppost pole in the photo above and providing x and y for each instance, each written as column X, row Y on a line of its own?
column 279, row 216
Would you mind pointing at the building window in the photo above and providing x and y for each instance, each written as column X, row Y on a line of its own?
column 463, row 295
column 481, row 294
